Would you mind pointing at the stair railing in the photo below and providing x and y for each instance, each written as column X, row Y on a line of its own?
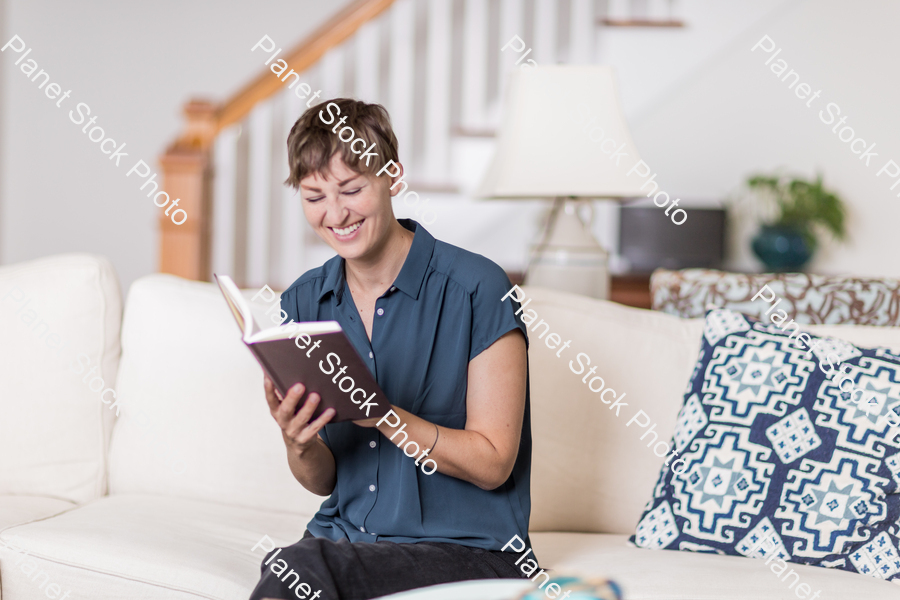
column 436, row 65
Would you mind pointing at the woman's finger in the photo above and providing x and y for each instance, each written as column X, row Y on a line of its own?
column 297, row 427
column 301, row 419
column 271, row 398
column 312, row 429
column 288, row 406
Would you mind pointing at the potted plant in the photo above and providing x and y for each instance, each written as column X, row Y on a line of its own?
column 802, row 209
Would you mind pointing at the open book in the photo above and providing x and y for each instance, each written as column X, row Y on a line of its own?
column 317, row 354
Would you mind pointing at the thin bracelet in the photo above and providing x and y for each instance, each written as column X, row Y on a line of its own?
column 438, row 435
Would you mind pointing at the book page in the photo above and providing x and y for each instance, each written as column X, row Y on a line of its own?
column 291, row 330
column 238, row 305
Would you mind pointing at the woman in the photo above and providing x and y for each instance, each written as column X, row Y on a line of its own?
column 427, row 319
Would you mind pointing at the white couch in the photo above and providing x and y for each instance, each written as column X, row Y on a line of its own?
column 167, row 500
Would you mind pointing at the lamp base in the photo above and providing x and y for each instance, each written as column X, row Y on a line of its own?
column 575, row 279
column 569, row 258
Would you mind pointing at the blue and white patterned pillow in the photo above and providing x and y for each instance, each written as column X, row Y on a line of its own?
column 778, row 459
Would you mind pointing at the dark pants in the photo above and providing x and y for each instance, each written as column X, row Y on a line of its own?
column 359, row 571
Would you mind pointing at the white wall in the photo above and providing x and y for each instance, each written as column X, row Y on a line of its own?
column 134, row 64
column 3, row 86
column 733, row 117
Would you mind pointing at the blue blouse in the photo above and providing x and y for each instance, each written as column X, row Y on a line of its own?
column 442, row 311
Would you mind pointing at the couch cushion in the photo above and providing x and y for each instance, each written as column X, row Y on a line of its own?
column 17, row 510
column 57, row 315
column 135, row 546
column 591, row 472
column 195, row 422
column 776, row 459
column 647, row 574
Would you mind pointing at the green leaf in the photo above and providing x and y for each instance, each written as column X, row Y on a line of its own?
column 802, row 204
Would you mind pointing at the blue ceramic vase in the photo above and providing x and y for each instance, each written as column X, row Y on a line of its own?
column 781, row 248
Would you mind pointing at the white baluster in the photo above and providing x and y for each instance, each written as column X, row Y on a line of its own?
column 437, row 91
column 259, row 194
column 277, row 162
column 475, row 63
column 293, row 226
column 223, row 227
column 545, row 18
column 512, row 23
column 367, row 53
column 581, row 32
column 619, row 10
column 402, row 76
column 331, row 69
column 673, row 10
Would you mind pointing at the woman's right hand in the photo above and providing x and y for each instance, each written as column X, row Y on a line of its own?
column 300, row 434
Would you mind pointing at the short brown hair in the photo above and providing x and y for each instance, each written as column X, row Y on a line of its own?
column 311, row 143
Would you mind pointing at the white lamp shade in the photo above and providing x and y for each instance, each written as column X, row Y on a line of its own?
column 562, row 134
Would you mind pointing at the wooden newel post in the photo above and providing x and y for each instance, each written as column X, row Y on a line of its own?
column 187, row 175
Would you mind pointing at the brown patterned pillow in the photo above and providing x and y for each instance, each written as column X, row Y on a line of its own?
column 808, row 299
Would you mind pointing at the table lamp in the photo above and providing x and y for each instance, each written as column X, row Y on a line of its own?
column 563, row 136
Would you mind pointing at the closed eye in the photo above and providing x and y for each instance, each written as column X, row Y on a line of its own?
column 353, row 192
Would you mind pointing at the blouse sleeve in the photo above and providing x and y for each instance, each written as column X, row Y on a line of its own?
column 492, row 317
column 291, row 306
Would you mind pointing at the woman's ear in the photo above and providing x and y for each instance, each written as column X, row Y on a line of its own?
column 398, row 178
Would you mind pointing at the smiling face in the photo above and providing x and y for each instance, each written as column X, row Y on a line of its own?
column 350, row 211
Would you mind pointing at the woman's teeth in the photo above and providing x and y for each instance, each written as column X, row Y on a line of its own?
column 347, row 230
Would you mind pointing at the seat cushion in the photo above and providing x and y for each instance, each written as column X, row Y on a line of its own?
column 669, row 575
column 16, row 510
column 196, row 423
column 477, row 589
column 60, row 319
column 142, row 546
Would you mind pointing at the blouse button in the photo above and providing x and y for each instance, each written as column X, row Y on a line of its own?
column 371, row 488
column 380, row 311
column 363, row 529
column 371, row 355
column 372, row 444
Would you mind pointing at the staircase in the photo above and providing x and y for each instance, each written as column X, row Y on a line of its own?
column 436, row 65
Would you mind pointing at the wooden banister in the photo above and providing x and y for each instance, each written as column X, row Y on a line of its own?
column 186, row 164
column 187, row 174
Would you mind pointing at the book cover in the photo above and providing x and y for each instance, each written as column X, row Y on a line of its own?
column 317, row 354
